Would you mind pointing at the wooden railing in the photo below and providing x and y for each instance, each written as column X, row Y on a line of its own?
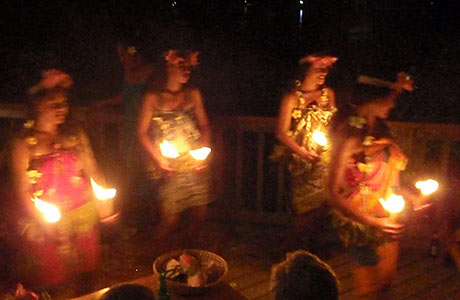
column 248, row 186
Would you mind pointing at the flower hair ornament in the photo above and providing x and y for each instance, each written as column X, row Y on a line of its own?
column 131, row 50
column 52, row 78
column 318, row 61
column 174, row 57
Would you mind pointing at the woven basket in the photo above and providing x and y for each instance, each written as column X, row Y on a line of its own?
column 203, row 257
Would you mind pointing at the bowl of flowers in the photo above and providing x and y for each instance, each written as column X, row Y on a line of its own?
column 190, row 271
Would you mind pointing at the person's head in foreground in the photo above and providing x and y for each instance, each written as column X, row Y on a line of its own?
column 303, row 276
column 128, row 292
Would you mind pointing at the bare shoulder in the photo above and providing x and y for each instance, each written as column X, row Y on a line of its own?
column 351, row 145
column 22, row 144
column 152, row 99
column 24, row 138
column 330, row 91
column 193, row 97
column 194, row 93
column 289, row 99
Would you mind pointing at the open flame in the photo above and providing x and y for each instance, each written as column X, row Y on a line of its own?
column 427, row 187
column 168, row 150
column 102, row 193
column 394, row 203
column 201, row 153
column 51, row 212
column 319, row 137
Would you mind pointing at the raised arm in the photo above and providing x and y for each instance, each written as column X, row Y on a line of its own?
column 146, row 114
column 283, row 125
column 403, row 83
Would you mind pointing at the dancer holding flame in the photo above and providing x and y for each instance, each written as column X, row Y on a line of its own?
column 52, row 163
column 174, row 131
column 364, row 183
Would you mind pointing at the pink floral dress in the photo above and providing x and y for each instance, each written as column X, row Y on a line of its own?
column 71, row 245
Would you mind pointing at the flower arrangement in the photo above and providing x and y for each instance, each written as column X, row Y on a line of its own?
column 187, row 269
column 318, row 61
column 173, row 57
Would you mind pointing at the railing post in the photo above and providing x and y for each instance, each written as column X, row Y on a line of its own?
column 280, row 189
column 239, row 168
column 260, row 170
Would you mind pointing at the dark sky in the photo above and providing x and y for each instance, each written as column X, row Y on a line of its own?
column 247, row 59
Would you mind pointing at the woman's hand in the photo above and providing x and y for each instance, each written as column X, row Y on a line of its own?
column 388, row 226
column 200, row 166
column 310, row 156
column 164, row 164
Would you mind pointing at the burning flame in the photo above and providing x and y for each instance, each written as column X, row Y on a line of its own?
column 427, row 187
column 101, row 193
column 51, row 212
column 201, row 153
column 102, row 291
column 394, row 203
column 168, row 150
column 320, row 138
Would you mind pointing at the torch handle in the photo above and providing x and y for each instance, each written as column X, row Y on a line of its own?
column 377, row 82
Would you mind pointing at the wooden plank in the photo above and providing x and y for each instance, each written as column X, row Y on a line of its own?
column 257, row 291
column 235, row 273
column 443, row 289
column 266, row 296
column 280, row 187
column 260, row 171
column 239, row 169
column 249, row 280
column 426, row 276
column 408, row 262
column 454, row 296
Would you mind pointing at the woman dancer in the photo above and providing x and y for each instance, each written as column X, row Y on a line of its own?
column 365, row 166
column 304, row 117
column 173, row 113
column 52, row 163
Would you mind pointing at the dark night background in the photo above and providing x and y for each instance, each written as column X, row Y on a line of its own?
column 249, row 49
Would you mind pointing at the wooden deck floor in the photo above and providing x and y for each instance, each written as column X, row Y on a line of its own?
column 251, row 250
column 419, row 275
